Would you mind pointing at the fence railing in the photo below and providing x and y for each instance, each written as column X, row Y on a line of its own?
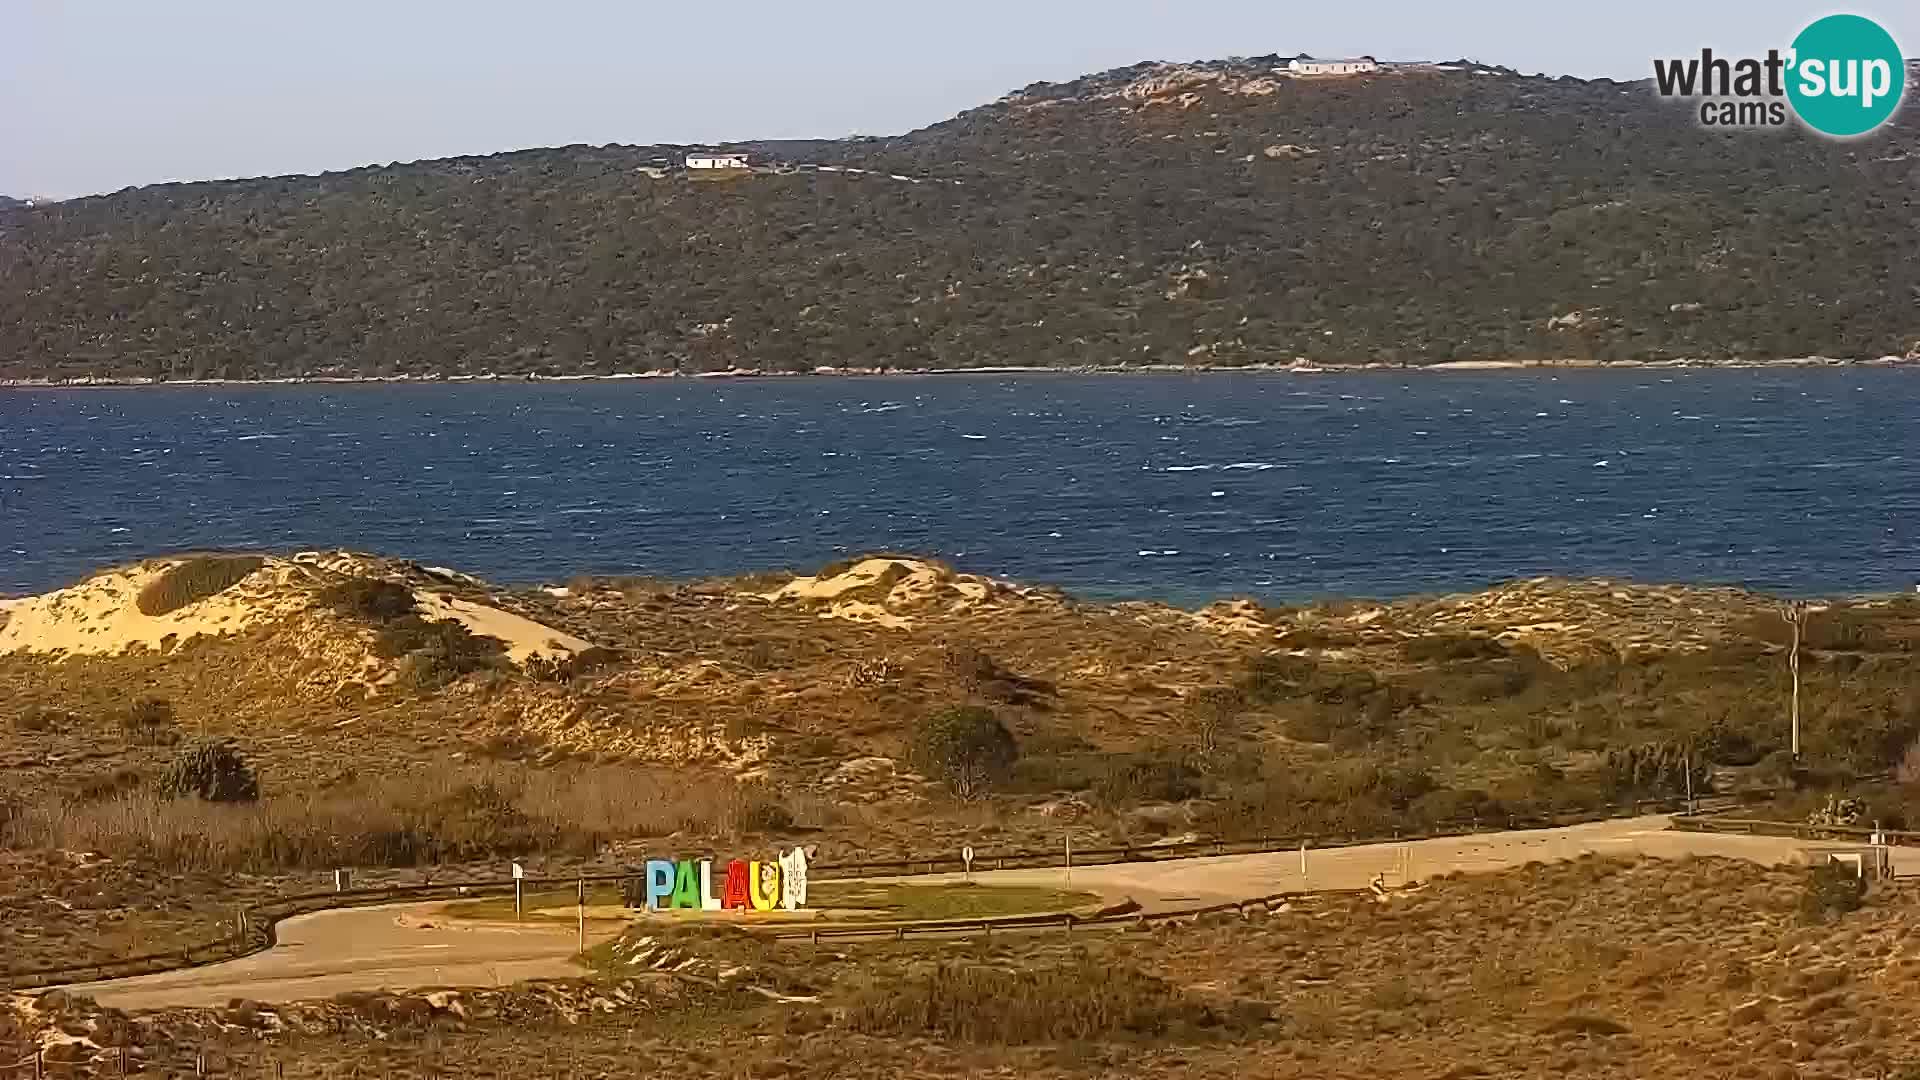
column 255, row 928
column 1799, row 829
column 1123, row 915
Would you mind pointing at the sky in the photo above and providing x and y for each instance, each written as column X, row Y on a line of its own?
column 97, row 95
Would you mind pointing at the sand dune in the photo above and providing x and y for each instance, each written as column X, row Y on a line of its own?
column 100, row 616
column 886, row 591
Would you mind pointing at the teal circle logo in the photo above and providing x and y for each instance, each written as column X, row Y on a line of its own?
column 1847, row 75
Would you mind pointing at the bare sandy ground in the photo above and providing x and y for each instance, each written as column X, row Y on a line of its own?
column 403, row 946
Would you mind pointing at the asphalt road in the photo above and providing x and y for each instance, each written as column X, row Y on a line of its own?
column 369, row 948
column 407, row 946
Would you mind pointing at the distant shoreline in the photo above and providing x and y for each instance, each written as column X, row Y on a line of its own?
column 87, row 383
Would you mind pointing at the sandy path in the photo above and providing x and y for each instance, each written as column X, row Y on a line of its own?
column 398, row 946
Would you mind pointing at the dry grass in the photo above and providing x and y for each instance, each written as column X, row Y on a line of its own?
column 1067, row 1002
column 444, row 815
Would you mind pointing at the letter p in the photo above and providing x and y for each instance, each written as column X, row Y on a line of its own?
column 1875, row 81
column 659, row 883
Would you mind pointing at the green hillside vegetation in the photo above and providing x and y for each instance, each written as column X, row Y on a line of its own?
column 1413, row 217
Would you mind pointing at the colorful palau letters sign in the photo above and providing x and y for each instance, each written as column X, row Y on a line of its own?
column 744, row 884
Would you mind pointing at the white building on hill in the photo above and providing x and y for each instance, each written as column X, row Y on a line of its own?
column 1307, row 65
column 716, row 161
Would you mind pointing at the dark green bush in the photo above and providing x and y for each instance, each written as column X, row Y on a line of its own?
column 213, row 770
column 1079, row 1000
column 194, row 580
column 35, row 719
column 371, row 599
column 754, row 809
column 149, row 721
column 435, row 653
column 1440, row 647
column 1135, row 778
column 1831, row 890
column 557, row 669
column 966, row 747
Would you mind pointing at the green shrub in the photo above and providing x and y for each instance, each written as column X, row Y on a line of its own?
column 1440, row 647
column 1146, row 778
column 149, row 721
column 371, row 599
column 1214, row 714
column 1831, row 890
column 970, row 665
column 35, row 719
column 1080, row 1000
column 966, row 747
column 194, row 580
column 434, row 653
column 213, row 770
column 109, row 785
column 756, row 810
column 561, row 669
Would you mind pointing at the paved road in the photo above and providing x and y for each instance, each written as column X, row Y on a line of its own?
column 369, row 948
column 1196, row 882
column 402, row 945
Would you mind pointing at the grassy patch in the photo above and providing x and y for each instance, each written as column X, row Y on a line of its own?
column 956, row 901
column 497, row 908
column 889, row 901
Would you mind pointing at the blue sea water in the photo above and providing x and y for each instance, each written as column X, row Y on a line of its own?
column 1182, row 488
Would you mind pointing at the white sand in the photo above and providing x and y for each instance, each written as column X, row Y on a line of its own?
column 99, row 617
column 523, row 636
column 923, row 585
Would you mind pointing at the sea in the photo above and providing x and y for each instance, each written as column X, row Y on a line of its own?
column 1182, row 488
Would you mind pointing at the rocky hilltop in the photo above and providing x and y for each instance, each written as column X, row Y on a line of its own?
column 1219, row 214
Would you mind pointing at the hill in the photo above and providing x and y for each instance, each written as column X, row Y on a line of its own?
column 1220, row 213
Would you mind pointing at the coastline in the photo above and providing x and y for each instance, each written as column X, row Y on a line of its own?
column 1297, row 368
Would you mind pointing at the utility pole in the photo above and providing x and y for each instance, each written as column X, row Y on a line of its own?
column 1795, row 613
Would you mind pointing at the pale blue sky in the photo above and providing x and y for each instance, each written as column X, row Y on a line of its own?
column 97, row 95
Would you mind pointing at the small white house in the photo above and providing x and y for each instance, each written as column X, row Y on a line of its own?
column 716, row 161
column 1307, row 65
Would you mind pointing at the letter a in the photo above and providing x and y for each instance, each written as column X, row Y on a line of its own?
column 739, row 889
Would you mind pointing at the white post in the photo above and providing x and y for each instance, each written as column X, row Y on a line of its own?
column 1069, row 860
column 1303, row 860
column 583, row 916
